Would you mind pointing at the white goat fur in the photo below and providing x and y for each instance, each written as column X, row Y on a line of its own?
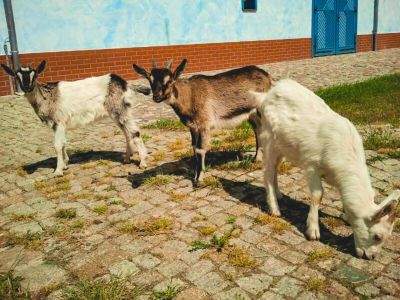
column 298, row 125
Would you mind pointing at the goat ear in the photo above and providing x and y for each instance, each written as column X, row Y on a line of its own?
column 141, row 71
column 169, row 64
column 8, row 70
column 41, row 67
column 388, row 209
column 143, row 90
column 180, row 68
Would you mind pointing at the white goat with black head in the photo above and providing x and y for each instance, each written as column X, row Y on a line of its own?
column 76, row 103
column 298, row 125
column 205, row 102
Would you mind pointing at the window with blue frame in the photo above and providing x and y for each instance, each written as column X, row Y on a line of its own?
column 249, row 5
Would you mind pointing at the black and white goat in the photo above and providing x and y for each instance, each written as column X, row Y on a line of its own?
column 76, row 103
column 205, row 102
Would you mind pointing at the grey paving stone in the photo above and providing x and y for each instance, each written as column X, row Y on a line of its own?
column 31, row 227
column 351, row 275
column 255, row 283
column 146, row 261
column 235, row 293
column 212, row 283
column 288, row 286
column 275, row 267
column 123, row 268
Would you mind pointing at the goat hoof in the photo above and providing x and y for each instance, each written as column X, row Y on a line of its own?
column 313, row 233
column 275, row 213
column 65, row 168
column 142, row 165
column 200, row 178
column 58, row 173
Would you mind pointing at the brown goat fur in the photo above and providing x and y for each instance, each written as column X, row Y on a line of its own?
column 204, row 102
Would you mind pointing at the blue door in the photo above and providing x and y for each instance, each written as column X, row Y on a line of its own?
column 334, row 28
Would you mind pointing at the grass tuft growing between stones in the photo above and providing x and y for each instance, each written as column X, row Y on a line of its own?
column 66, row 213
column 239, row 257
column 158, row 180
column 152, row 226
column 11, row 289
column 168, row 294
column 315, row 284
column 320, row 254
column 207, row 230
column 54, row 188
column 277, row 224
column 22, row 217
column 159, row 155
column 78, row 151
column 284, row 167
column 176, row 196
column 165, row 124
column 230, row 220
column 381, row 138
column 211, row 182
column 21, row 171
column 177, row 145
column 77, row 224
column 29, row 240
column 145, row 137
column 246, row 164
column 183, row 154
column 114, row 289
column 331, row 222
column 100, row 210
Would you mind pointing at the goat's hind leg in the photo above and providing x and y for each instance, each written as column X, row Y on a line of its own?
column 59, row 145
column 133, row 132
column 202, row 146
column 315, row 185
column 255, row 122
column 271, row 162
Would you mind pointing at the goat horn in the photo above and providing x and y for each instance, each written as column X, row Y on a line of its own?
column 154, row 63
column 169, row 64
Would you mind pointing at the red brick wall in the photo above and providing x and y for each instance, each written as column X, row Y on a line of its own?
column 385, row 41
column 72, row 65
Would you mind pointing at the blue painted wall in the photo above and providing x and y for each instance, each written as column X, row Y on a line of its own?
column 58, row 25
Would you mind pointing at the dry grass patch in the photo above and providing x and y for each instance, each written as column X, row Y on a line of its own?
column 77, row 225
column 100, row 197
column 29, row 240
column 149, row 227
column 277, row 224
column 315, row 284
column 176, row 196
column 158, row 180
column 159, row 155
column 246, row 164
column 183, row 154
column 211, row 182
column 100, row 210
column 207, row 230
column 239, row 257
column 103, row 162
column 81, row 195
column 320, row 254
column 78, row 151
column 66, row 213
column 54, row 188
column 165, row 124
column 11, row 289
column 177, row 145
column 331, row 222
column 114, row 289
column 89, row 165
column 21, row 171
column 284, row 167
column 22, row 217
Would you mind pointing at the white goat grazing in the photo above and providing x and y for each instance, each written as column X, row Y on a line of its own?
column 298, row 125
column 76, row 103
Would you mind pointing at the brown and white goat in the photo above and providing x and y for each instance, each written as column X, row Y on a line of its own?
column 205, row 102
column 76, row 103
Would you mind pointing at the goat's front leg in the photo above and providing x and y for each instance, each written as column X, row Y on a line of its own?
column 203, row 142
column 59, row 145
column 315, row 185
column 65, row 157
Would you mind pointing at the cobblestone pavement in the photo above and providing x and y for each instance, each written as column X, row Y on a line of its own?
column 107, row 218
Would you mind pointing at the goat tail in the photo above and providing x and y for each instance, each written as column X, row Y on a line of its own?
column 258, row 97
